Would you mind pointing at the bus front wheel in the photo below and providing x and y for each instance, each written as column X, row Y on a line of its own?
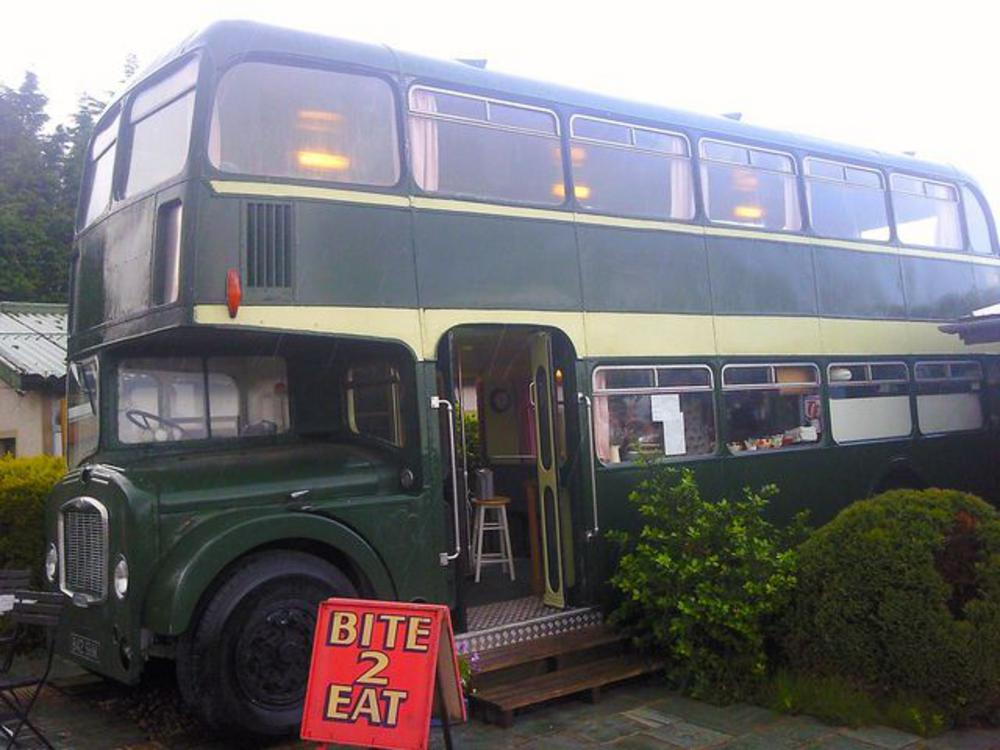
column 244, row 664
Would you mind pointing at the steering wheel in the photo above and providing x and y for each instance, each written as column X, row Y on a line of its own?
column 144, row 421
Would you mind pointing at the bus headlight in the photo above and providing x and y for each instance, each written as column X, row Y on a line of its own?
column 51, row 563
column 121, row 577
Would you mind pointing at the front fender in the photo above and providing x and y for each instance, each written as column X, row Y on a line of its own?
column 187, row 571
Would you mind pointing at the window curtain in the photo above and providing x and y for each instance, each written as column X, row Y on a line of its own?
column 681, row 189
column 948, row 231
column 424, row 142
column 602, row 420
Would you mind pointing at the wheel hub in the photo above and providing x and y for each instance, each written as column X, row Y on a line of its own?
column 272, row 656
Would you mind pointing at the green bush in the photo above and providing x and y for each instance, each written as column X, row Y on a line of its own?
column 24, row 485
column 702, row 582
column 901, row 595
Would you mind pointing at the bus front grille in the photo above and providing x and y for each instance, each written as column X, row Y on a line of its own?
column 84, row 537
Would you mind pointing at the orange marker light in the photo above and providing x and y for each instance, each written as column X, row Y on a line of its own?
column 234, row 291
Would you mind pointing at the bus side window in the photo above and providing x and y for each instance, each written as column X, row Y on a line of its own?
column 373, row 402
column 648, row 411
column 869, row 401
column 949, row 396
column 750, row 186
column 926, row 212
column 976, row 222
column 772, row 406
column 626, row 169
column 465, row 145
column 846, row 201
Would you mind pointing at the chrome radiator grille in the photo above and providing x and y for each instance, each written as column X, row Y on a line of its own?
column 84, row 536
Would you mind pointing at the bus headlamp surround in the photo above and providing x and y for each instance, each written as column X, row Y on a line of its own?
column 51, row 563
column 121, row 577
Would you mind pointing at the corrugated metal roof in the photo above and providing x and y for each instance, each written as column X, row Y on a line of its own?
column 33, row 339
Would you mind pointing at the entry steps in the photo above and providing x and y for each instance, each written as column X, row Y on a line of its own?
column 526, row 674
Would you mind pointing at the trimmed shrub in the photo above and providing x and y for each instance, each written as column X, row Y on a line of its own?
column 702, row 581
column 24, row 485
column 901, row 595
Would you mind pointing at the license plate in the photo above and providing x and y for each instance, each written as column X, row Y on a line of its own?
column 84, row 647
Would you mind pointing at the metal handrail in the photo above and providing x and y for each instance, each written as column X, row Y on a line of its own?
column 583, row 398
column 436, row 403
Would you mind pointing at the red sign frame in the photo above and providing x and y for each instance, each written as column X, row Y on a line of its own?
column 373, row 674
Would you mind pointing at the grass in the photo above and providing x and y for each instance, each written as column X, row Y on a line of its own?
column 837, row 701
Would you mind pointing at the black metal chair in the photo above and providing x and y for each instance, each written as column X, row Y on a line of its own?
column 31, row 609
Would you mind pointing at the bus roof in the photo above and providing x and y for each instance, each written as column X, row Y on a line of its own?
column 227, row 41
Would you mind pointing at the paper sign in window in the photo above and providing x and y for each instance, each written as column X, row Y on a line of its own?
column 666, row 408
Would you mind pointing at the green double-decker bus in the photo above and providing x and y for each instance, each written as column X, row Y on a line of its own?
column 327, row 295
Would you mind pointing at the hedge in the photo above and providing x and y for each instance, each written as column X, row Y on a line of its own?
column 901, row 594
column 24, row 485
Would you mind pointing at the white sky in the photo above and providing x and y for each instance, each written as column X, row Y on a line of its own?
column 900, row 76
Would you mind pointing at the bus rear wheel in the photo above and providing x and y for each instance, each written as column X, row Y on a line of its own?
column 244, row 664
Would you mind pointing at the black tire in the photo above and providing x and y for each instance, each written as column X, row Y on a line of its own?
column 242, row 666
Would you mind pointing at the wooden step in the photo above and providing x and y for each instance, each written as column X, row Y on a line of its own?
column 546, row 648
column 500, row 701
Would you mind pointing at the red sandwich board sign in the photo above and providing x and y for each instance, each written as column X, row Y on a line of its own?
column 373, row 672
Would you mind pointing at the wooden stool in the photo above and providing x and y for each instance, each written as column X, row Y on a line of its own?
column 498, row 505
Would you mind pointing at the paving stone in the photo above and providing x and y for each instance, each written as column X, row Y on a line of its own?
column 556, row 742
column 884, row 737
column 609, row 728
column 735, row 719
column 641, row 742
column 966, row 739
column 839, row 742
column 794, row 731
column 689, row 736
column 651, row 717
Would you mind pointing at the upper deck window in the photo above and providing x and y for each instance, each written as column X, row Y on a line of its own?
column 926, row 212
column 976, row 222
column 631, row 170
column 160, row 120
column 101, row 168
column 466, row 145
column 752, row 186
column 304, row 123
column 845, row 201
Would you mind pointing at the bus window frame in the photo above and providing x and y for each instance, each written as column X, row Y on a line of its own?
column 984, row 206
column 695, row 186
column 655, row 389
column 909, row 382
column 127, row 127
column 189, row 444
column 796, row 174
column 981, row 392
column 203, row 121
column 964, row 248
column 559, row 138
column 810, row 228
column 108, row 118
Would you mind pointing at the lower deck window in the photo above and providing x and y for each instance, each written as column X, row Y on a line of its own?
column 373, row 402
column 949, row 396
column 642, row 411
column 869, row 401
column 770, row 407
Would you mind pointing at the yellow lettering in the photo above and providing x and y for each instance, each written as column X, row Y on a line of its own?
column 368, row 706
column 343, row 629
column 391, row 628
column 392, row 700
column 380, row 662
column 367, row 623
column 417, row 627
column 338, row 695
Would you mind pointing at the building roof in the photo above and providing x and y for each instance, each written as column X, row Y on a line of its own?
column 32, row 344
